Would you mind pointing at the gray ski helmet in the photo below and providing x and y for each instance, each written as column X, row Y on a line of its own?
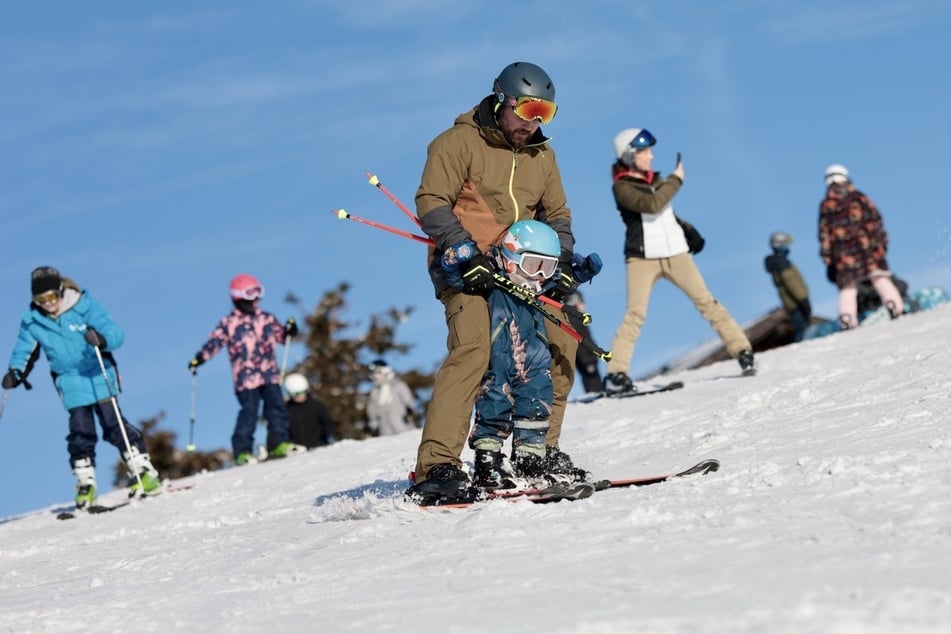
column 523, row 79
column 779, row 240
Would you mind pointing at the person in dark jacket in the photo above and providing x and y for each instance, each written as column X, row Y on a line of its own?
column 793, row 292
column 853, row 244
column 658, row 245
column 311, row 424
column 586, row 361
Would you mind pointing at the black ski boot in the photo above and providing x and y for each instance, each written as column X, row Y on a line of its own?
column 445, row 483
column 529, row 465
column 490, row 471
column 618, row 383
column 745, row 359
column 559, row 465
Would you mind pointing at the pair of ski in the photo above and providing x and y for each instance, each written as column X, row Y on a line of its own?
column 97, row 509
column 578, row 490
column 594, row 396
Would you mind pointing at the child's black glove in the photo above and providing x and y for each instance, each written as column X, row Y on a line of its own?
column 93, row 338
column 290, row 328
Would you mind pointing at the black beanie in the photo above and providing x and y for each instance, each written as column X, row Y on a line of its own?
column 44, row 279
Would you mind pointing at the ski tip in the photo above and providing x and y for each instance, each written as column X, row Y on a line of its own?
column 704, row 466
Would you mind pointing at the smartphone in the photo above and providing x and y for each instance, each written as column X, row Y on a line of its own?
column 678, row 158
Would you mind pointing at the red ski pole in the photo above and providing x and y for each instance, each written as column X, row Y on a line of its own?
column 529, row 297
column 373, row 180
column 343, row 214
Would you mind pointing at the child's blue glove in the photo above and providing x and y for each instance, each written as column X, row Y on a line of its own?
column 583, row 268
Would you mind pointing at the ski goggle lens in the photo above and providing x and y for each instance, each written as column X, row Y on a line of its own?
column 536, row 264
column 531, row 108
column 251, row 293
column 46, row 298
column 643, row 140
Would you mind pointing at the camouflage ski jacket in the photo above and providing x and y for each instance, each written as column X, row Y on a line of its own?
column 852, row 237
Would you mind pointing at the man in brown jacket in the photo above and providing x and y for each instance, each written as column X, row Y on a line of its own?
column 492, row 168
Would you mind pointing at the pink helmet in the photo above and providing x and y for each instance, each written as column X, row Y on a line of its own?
column 246, row 286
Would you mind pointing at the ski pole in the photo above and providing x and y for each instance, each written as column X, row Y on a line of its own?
column 287, row 347
column 529, row 297
column 115, row 406
column 343, row 214
column 568, row 309
column 532, row 298
column 3, row 402
column 191, row 414
column 373, row 180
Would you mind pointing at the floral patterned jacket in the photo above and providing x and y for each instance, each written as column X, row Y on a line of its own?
column 251, row 339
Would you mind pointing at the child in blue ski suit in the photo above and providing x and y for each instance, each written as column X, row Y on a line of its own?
column 68, row 325
column 516, row 394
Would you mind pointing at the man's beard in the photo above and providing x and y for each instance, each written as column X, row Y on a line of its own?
column 517, row 138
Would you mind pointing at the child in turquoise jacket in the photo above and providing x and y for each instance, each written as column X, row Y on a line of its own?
column 68, row 325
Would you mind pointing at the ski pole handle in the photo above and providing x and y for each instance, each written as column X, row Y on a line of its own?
column 572, row 311
column 590, row 346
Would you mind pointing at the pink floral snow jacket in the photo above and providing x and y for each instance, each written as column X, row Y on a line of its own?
column 251, row 339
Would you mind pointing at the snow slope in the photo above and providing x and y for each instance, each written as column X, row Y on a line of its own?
column 831, row 513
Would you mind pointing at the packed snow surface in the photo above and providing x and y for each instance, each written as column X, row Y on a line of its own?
column 831, row 513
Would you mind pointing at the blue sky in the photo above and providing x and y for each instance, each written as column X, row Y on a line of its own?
column 151, row 151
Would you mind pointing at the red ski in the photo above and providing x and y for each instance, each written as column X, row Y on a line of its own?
column 705, row 466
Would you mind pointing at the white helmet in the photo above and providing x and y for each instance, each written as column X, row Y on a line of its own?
column 780, row 239
column 836, row 174
column 296, row 384
column 627, row 142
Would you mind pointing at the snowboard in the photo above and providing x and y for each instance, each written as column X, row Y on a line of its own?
column 596, row 396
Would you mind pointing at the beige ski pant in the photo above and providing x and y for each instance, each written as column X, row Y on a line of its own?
column 680, row 270
column 457, row 382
